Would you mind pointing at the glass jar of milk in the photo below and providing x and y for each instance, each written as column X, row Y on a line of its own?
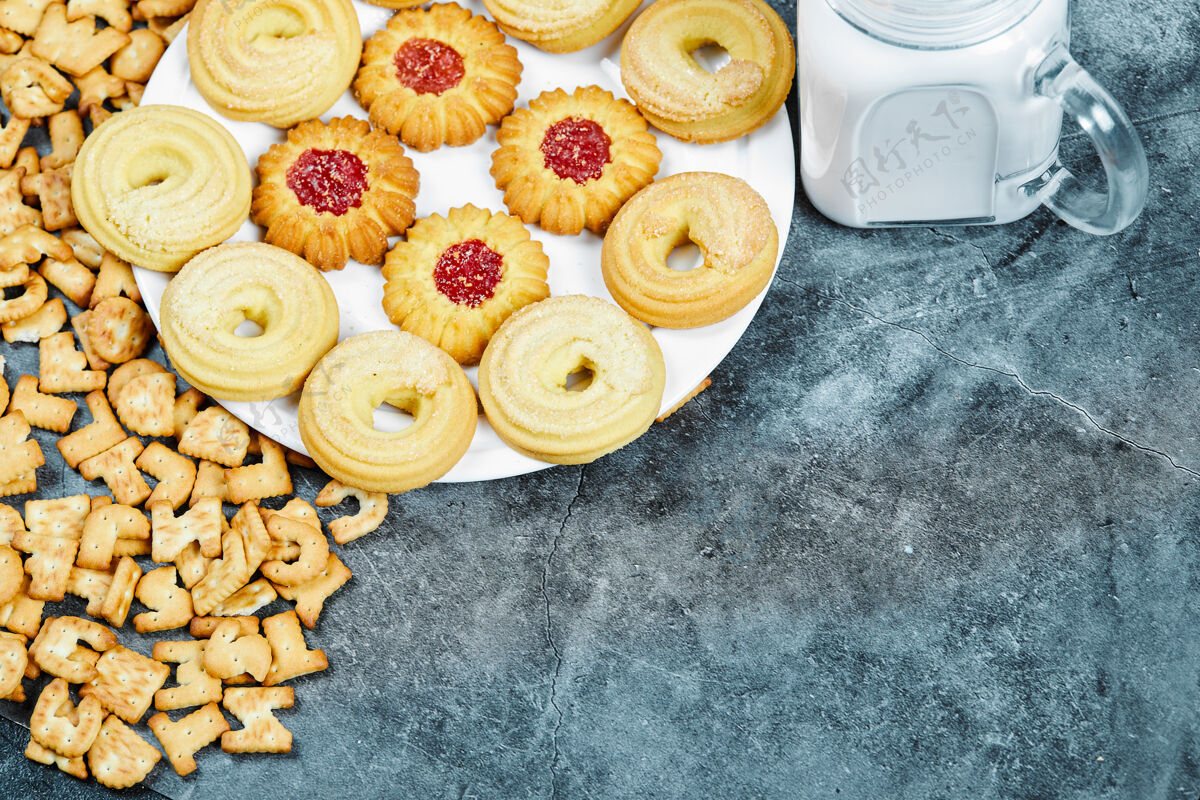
column 948, row 112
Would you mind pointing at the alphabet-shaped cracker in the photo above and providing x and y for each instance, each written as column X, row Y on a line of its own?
column 30, row 300
column 119, row 757
column 18, row 453
column 60, row 725
column 146, row 404
column 46, row 320
column 54, row 649
column 290, row 656
column 175, row 473
column 41, row 410
column 311, row 595
column 92, row 585
column 63, row 368
column 247, row 600
column 262, row 732
column 120, row 594
column 28, row 244
column 103, row 528
column 93, row 439
column 372, row 509
column 230, row 652
column 170, row 534
column 216, row 435
column 270, row 478
column 75, row 47
column 171, row 606
column 122, row 375
column 13, row 661
column 125, row 682
column 115, row 279
column 196, row 687
column 32, row 88
column 79, row 323
column 115, row 466
column 66, row 137
column 182, row 739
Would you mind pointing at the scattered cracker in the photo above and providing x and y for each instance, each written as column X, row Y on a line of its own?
column 12, row 575
column 58, row 642
column 196, row 687
column 171, row 606
column 74, row 47
column 119, row 758
column 66, row 137
column 28, row 244
column 120, row 594
column 75, row 767
column 170, row 534
column 92, row 585
column 115, row 279
column 22, row 614
column 53, row 190
column 62, row 368
column 225, row 575
column 146, row 404
column 122, row 375
column 192, row 565
column 175, row 473
column 62, row 516
column 247, row 600
column 120, row 330
column 180, row 740
column 48, row 564
column 60, row 725
column 311, row 595
column 186, row 405
column 290, row 656
column 45, row 321
column 33, row 294
column 216, row 435
column 115, row 466
column 103, row 433
column 314, row 552
column 231, row 652
column 261, row 732
column 12, row 133
column 210, row 482
column 79, row 323
column 41, row 410
column 125, row 682
column 270, row 478
column 203, row 627
column 13, row 661
column 19, row 454
column 72, row 278
column 256, row 541
column 84, row 247
column 103, row 528
column 372, row 509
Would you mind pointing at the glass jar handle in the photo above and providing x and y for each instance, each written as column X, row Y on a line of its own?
column 1059, row 76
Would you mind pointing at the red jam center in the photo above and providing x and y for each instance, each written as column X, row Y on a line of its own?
column 468, row 272
column 576, row 149
column 427, row 66
column 328, row 180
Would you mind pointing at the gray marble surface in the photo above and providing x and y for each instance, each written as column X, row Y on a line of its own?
column 931, row 534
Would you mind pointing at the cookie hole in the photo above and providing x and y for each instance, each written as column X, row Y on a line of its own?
column 685, row 257
column 248, row 329
column 711, row 57
column 277, row 22
column 386, row 418
column 13, row 292
column 579, row 380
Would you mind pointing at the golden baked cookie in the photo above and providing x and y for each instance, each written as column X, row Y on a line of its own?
column 335, row 191
column 682, row 98
column 525, row 371
column 404, row 371
column 456, row 278
column 217, row 291
column 437, row 76
column 273, row 61
column 156, row 184
column 560, row 26
column 569, row 161
column 720, row 214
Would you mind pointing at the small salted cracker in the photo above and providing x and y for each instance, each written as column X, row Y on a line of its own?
column 103, row 528
column 62, row 368
column 10, row 523
column 66, row 137
column 311, row 595
column 203, row 627
column 225, row 575
column 314, row 552
column 120, row 330
column 72, row 278
column 53, row 190
column 92, row 585
column 13, row 662
column 31, row 87
column 136, row 60
column 19, row 454
column 210, row 482
column 192, row 565
column 28, row 244
column 270, row 478
column 22, row 16
column 57, row 647
column 41, row 410
column 45, row 321
column 125, row 682
column 256, row 541
column 180, row 740
column 13, row 211
column 75, row 767
column 216, row 435
column 261, row 731
column 48, row 564
column 119, row 757
column 247, row 600
column 122, row 375
column 176, row 474
column 25, row 484
column 33, row 294
column 74, row 47
column 12, row 576
column 115, row 279
column 295, row 509
column 12, row 133
column 171, row 606
column 290, row 656
column 166, row 27
column 84, row 247
column 22, row 614
column 60, row 725
column 62, row 516
column 230, row 653
column 146, row 405
column 372, row 509
column 170, row 534
column 131, row 548
column 93, row 439
column 196, row 687
column 115, row 466
column 186, row 405
column 120, row 594
column 114, row 12
column 79, row 323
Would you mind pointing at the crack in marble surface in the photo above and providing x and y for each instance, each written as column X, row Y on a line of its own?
column 1013, row 375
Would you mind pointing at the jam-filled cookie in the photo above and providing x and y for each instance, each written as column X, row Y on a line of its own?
column 569, row 161
column 437, row 76
column 457, row 278
column 334, row 192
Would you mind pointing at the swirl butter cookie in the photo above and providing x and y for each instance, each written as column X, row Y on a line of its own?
column 560, row 26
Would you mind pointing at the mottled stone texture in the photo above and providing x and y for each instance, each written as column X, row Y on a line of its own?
column 931, row 534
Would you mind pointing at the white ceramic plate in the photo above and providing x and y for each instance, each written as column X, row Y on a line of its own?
column 456, row 176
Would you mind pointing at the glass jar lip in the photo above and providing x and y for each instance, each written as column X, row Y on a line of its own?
column 933, row 24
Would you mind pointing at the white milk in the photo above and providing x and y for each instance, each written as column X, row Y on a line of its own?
column 918, row 134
